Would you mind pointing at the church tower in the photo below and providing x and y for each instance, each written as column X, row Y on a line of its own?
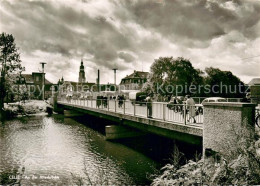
column 82, row 77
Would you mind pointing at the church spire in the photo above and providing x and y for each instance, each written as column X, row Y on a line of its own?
column 82, row 77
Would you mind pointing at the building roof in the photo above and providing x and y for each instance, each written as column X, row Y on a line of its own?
column 47, row 82
column 254, row 81
column 137, row 74
column 29, row 79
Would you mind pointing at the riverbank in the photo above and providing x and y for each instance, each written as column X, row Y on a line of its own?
column 27, row 108
column 244, row 170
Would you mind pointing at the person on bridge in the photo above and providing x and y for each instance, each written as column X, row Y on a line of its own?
column 104, row 101
column 191, row 108
column 99, row 101
column 120, row 100
column 149, row 106
column 68, row 98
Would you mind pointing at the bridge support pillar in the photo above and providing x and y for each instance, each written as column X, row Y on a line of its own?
column 119, row 131
column 56, row 108
column 227, row 128
column 72, row 113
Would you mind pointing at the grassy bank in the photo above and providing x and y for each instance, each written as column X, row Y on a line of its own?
column 243, row 170
column 29, row 107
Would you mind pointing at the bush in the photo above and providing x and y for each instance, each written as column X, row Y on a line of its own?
column 243, row 170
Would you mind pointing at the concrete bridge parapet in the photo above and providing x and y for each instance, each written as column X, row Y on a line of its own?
column 227, row 128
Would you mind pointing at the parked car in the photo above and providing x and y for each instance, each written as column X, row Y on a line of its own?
column 137, row 97
column 199, row 107
column 214, row 99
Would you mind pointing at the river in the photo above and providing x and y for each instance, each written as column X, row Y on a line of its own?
column 60, row 150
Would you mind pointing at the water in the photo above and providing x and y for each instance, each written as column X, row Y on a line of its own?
column 58, row 150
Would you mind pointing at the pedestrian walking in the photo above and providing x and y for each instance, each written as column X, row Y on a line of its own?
column 191, row 108
column 120, row 100
column 149, row 106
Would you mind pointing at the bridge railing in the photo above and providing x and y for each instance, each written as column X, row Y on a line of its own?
column 178, row 113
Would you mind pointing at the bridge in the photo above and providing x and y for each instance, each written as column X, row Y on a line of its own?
column 164, row 121
column 219, row 129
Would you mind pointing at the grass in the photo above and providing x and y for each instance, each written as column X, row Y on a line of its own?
column 241, row 170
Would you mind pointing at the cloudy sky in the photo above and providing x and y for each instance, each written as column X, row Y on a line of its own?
column 130, row 34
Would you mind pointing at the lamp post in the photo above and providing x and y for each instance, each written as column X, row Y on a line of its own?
column 115, row 69
column 43, row 79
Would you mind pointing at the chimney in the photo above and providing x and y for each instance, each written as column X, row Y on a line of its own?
column 98, row 81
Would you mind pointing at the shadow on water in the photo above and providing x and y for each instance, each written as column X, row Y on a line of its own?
column 158, row 148
column 137, row 165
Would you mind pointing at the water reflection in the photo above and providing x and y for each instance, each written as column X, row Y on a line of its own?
column 61, row 150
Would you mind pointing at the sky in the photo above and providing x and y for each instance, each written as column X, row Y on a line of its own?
column 130, row 34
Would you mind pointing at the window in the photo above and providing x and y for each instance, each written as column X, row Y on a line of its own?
column 37, row 78
column 222, row 100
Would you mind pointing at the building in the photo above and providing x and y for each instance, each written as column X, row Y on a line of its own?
column 254, row 90
column 134, row 81
column 82, row 77
column 30, row 86
column 80, row 87
column 83, row 87
column 71, row 87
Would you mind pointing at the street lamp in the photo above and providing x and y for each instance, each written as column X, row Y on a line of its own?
column 115, row 69
column 43, row 79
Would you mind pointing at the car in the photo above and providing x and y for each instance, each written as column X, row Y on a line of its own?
column 199, row 107
column 138, row 98
column 214, row 99
column 141, row 98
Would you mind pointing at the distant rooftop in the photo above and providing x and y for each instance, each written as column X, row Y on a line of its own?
column 254, row 81
column 137, row 74
column 29, row 79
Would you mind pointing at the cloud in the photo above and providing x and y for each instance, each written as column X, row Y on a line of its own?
column 131, row 34
column 126, row 56
column 188, row 23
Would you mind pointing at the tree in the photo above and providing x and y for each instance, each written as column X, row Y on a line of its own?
column 10, row 64
column 224, row 83
column 169, row 76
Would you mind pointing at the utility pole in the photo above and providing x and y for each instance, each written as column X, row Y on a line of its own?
column 43, row 79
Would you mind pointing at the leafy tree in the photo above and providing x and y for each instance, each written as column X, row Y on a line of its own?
column 10, row 64
column 224, row 83
column 169, row 76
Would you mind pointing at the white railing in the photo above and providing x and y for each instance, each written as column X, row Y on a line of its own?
column 178, row 113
